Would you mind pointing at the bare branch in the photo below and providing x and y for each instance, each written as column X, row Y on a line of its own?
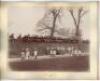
column 59, row 11
column 79, row 16
column 84, row 13
column 81, row 13
column 80, row 10
column 55, row 11
column 72, row 14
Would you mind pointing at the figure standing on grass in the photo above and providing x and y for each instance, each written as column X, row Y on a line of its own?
column 35, row 54
column 23, row 55
column 53, row 52
column 27, row 53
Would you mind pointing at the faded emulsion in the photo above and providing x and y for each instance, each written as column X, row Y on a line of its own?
column 56, row 49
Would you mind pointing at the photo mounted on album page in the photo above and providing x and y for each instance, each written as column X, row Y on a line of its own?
column 49, row 40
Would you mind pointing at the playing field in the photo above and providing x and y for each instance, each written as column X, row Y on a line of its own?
column 72, row 63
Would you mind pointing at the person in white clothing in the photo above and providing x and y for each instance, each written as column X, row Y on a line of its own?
column 53, row 52
column 35, row 54
column 27, row 53
column 22, row 55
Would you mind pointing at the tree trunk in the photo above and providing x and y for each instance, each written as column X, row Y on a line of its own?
column 53, row 27
column 77, row 33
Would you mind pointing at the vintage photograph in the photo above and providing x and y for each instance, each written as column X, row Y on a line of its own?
column 49, row 38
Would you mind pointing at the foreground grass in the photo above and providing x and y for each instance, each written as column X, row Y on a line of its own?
column 75, row 63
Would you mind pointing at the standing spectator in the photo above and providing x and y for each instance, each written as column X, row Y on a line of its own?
column 35, row 54
column 22, row 55
column 27, row 53
column 53, row 52
column 69, row 50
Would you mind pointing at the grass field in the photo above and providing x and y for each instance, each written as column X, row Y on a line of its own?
column 74, row 63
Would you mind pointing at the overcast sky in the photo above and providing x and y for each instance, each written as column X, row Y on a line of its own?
column 23, row 20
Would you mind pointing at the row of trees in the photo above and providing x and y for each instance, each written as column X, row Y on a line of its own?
column 49, row 21
column 42, row 39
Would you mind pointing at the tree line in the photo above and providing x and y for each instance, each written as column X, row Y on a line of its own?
column 42, row 39
column 50, row 21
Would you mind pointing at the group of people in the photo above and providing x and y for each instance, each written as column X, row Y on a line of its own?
column 27, row 54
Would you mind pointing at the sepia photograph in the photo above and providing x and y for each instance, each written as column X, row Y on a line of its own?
column 57, row 37
column 48, row 39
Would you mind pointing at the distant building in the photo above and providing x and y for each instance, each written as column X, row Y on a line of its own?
column 45, row 44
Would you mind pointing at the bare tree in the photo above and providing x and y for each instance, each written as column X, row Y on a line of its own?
column 49, row 21
column 80, row 13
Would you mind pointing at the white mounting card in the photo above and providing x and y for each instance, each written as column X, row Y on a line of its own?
column 49, row 40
